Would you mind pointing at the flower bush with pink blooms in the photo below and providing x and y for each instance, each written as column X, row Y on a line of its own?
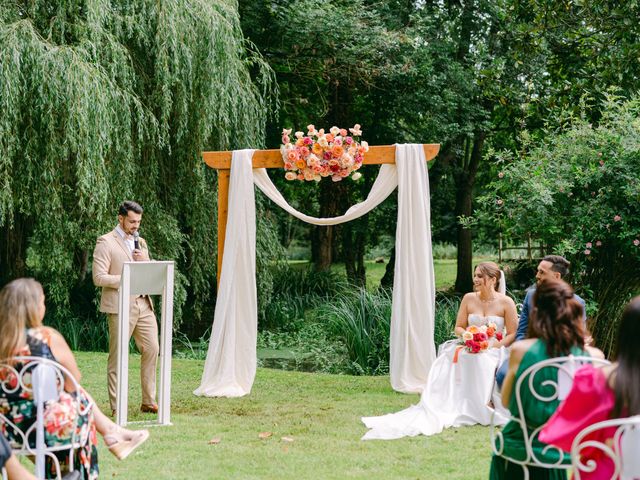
column 336, row 154
column 578, row 191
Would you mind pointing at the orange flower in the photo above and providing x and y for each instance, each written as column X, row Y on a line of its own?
column 473, row 329
column 317, row 149
column 337, row 151
column 301, row 164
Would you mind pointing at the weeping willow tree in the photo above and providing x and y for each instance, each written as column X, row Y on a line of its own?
column 104, row 100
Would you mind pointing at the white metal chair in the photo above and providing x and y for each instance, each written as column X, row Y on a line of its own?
column 44, row 380
column 555, row 390
column 622, row 449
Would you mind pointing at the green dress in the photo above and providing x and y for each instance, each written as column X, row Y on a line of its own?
column 537, row 413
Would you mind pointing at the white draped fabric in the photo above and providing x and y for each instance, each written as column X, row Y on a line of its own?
column 231, row 359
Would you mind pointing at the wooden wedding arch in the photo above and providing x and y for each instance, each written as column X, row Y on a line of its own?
column 221, row 161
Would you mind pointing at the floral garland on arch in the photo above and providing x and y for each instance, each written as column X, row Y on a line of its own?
column 336, row 154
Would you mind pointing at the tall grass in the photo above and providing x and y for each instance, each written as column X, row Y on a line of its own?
column 362, row 321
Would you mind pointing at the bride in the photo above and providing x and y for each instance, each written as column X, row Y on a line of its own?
column 460, row 383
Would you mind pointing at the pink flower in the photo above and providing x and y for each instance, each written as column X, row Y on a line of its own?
column 300, row 176
column 636, row 242
column 348, row 140
column 343, row 132
column 587, row 252
column 588, row 245
column 598, row 243
column 286, row 132
column 501, row 175
column 308, row 141
column 617, row 218
column 285, row 139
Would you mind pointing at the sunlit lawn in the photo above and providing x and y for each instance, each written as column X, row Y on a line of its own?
column 319, row 413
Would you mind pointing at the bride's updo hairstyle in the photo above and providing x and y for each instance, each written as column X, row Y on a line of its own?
column 491, row 270
column 556, row 318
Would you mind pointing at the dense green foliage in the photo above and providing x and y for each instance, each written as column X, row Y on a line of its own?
column 579, row 190
column 106, row 100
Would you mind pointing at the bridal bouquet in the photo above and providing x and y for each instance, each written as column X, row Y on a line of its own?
column 336, row 154
column 476, row 339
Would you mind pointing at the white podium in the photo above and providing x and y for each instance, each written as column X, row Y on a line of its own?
column 145, row 278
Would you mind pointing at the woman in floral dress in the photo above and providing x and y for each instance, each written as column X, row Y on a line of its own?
column 22, row 306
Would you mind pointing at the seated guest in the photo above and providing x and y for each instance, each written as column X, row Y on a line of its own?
column 555, row 330
column 550, row 267
column 22, row 309
column 601, row 394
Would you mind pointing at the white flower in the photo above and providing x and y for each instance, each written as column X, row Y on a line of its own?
column 290, row 176
column 365, row 145
column 334, row 131
column 483, row 328
column 467, row 336
column 492, row 325
column 356, row 130
column 356, row 176
column 286, row 132
column 299, row 134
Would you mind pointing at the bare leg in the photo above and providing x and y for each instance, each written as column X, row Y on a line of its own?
column 120, row 441
column 15, row 470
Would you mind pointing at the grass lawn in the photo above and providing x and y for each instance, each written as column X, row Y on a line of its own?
column 321, row 413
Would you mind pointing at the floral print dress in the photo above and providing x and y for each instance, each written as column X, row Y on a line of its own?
column 61, row 418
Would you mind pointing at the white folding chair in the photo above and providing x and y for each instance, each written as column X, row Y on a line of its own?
column 555, row 390
column 623, row 449
column 44, row 379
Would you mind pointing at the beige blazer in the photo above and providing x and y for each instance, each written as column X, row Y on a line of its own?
column 108, row 258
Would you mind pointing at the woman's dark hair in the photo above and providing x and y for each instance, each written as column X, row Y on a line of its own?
column 626, row 378
column 556, row 318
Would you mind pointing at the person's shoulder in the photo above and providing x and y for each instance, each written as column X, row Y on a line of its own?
column 519, row 348
column 107, row 237
column 594, row 352
column 579, row 298
column 469, row 296
column 507, row 300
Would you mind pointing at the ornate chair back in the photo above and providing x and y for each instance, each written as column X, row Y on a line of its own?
column 43, row 380
column 621, row 447
column 546, row 388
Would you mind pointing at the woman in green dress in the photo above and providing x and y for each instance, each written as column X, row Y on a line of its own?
column 555, row 330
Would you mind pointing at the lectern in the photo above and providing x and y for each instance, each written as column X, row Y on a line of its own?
column 145, row 278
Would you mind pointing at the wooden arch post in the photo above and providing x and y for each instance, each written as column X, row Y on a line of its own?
column 221, row 161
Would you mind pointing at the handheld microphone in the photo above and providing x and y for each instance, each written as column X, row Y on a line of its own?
column 136, row 242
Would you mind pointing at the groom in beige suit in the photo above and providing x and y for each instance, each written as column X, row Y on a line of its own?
column 112, row 250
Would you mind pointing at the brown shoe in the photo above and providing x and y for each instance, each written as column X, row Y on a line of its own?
column 153, row 408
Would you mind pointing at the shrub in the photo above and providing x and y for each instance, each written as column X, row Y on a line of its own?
column 579, row 191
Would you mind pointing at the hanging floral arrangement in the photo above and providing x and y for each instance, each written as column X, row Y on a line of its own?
column 336, row 154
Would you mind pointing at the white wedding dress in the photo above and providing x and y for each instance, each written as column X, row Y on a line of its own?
column 456, row 394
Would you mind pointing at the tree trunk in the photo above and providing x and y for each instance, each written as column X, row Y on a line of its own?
column 13, row 249
column 465, row 181
column 387, row 279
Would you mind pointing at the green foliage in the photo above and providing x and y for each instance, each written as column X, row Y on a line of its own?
column 579, row 191
column 361, row 319
column 102, row 101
